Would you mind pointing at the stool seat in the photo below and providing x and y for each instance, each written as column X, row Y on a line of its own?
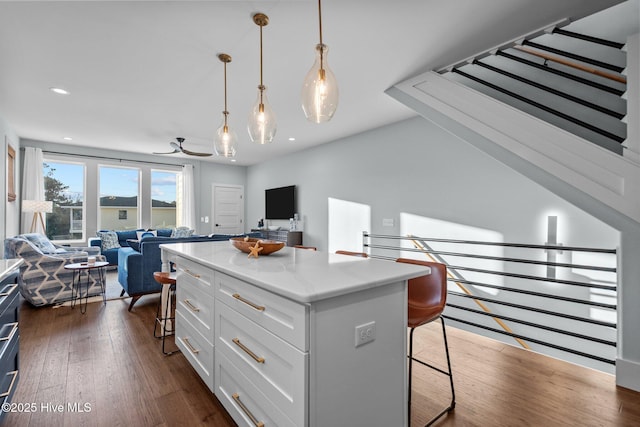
column 164, row 277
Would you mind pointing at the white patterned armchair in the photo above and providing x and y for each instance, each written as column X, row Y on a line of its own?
column 43, row 279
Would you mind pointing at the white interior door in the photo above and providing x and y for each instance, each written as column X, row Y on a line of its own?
column 227, row 211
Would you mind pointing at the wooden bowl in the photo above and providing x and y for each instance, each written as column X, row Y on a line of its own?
column 268, row 246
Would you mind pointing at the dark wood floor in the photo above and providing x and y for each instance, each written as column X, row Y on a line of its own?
column 108, row 359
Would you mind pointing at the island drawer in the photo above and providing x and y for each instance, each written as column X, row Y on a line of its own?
column 197, row 307
column 197, row 350
column 273, row 365
column 194, row 274
column 246, row 403
column 283, row 317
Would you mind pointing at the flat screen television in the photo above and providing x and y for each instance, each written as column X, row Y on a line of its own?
column 280, row 203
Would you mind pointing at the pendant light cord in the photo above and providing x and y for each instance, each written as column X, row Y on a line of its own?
column 320, row 28
column 226, row 112
column 261, row 85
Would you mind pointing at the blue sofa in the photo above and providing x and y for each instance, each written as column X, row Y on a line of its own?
column 136, row 265
column 111, row 254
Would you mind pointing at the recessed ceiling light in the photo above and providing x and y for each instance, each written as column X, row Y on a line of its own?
column 233, row 160
column 59, row 91
column 67, row 138
column 292, row 139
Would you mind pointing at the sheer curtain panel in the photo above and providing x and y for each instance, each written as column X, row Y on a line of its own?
column 188, row 207
column 32, row 184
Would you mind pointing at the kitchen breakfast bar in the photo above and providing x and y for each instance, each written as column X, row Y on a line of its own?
column 295, row 338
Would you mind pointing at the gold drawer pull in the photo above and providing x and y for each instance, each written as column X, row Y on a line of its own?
column 254, row 305
column 249, row 352
column 4, row 294
column 14, row 328
column 191, row 306
column 13, row 381
column 257, row 423
column 190, row 273
column 191, row 348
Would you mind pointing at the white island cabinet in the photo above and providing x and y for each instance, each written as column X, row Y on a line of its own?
column 295, row 338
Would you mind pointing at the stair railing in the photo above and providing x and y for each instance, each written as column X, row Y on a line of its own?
column 543, row 311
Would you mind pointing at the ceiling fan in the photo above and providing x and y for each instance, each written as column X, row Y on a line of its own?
column 177, row 148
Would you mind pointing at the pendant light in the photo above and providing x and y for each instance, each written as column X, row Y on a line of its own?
column 225, row 139
column 262, row 120
column 320, row 88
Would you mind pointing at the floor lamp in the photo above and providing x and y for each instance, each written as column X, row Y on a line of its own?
column 37, row 207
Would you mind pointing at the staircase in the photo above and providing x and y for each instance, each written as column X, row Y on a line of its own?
column 553, row 104
column 552, row 78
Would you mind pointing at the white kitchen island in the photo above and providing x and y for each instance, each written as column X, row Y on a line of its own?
column 279, row 339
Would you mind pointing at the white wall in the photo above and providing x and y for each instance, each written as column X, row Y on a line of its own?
column 416, row 167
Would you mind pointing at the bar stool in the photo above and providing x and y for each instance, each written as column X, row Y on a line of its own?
column 426, row 302
column 168, row 282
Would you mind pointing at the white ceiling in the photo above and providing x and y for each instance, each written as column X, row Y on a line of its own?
column 142, row 73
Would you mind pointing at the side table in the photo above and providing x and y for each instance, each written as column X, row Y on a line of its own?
column 76, row 283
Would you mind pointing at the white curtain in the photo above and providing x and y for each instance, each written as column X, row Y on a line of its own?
column 188, row 206
column 32, row 184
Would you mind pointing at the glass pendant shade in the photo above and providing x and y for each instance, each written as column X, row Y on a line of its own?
column 225, row 141
column 320, row 89
column 262, row 120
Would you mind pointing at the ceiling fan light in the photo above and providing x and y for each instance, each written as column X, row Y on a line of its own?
column 262, row 120
column 320, row 89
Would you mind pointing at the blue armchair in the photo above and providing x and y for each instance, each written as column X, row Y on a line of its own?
column 43, row 280
column 136, row 265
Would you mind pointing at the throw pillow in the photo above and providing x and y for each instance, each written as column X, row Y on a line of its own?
column 41, row 242
column 108, row 240
column 181, row 232
column 146, row 233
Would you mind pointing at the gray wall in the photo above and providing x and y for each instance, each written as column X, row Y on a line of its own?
column 416, row 167
column 9, row 210
column 204, row 174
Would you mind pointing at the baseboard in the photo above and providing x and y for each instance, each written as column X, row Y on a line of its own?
column 628, row 374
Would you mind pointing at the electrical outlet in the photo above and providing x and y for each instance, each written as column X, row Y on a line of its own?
column 365, row 333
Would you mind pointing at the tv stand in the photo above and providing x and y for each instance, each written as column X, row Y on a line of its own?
column 291, row 238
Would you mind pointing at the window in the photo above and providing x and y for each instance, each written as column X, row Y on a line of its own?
column 164, row 189
column 119, row 189
column 64, row 186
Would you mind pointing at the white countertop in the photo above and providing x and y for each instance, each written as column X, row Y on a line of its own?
column 302, row 275
column 8, row 265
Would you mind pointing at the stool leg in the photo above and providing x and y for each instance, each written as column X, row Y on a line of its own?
column 410, row 372
column 168, row 318
column 452, row 404
column 163, row 316
column 449, row 373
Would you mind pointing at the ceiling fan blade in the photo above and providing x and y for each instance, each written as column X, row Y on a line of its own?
column 193, row 153
column 175, row 146
column 170, row 152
